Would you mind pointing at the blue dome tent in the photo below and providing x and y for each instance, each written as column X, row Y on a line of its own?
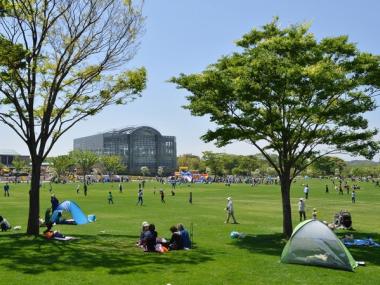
column 77, row 214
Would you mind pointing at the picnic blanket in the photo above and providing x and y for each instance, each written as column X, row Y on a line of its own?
column 64, row 238
column 360, row 242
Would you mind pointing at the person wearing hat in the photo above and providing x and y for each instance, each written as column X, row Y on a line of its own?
column 144, row 228
column 301, row 209
column 230, row 211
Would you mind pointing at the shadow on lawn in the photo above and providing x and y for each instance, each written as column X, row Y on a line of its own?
column 117, row 253
column 270, row 244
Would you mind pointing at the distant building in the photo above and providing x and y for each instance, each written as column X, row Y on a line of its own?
column 7, row 156
column 137, row 146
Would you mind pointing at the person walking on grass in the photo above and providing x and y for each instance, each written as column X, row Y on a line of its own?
column 353, row 196
column 230, row 211
column 110, row 198
column 191, row 197
column 340, row 189
column 120, row 188
column 85, row 189
column 6, row 190
column 301, row 209
column 306, row 191
column 327, row 188
column 162, row 195
column 140, row 197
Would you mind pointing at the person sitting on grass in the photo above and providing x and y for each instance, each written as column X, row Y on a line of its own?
column 49, row 233
column 185, row 237
column 47, row 217
column 4, row 224
column 175, row 242
column 149, row 239
column 145, row 227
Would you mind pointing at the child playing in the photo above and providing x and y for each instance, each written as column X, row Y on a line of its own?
column 110, row 198
column 314, row 214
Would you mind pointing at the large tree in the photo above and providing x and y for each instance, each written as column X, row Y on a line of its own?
column 328, row 164
column 19, row 164
column 112, row 164
column 291, row 95
column 60, row 62
column 193, row 162
column 85, row 161
column 144, row 171
column 62, row 165
column 214, row 161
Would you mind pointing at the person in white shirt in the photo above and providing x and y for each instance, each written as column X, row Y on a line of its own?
column 306, row 191
column 353, row 196
column 301, row 209
column 140, row 197
column 230, row 211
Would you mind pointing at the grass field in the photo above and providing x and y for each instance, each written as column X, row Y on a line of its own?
column 106, row 254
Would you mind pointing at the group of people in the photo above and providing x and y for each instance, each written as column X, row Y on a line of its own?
column 140, row 195
column 150, row 242
column 306, row 190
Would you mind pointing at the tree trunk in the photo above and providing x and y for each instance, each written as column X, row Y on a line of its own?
column 34, row 199
column 287, row 226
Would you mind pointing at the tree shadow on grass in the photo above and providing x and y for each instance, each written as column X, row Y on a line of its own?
column 269, row 244
column 117, row 253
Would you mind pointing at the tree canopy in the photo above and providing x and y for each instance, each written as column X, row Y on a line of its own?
column 289, row 94
column 61, row 165
column 19, row 164
column 61, row 62
column 145, row 170
column 112, row 164
column 84, row 160
column 328, row 165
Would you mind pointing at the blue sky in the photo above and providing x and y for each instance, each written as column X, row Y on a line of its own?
column 187, row 35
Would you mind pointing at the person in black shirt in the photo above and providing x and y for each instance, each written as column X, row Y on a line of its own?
column 176, row 240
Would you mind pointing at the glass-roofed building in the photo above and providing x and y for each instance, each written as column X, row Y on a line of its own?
column 138, row 146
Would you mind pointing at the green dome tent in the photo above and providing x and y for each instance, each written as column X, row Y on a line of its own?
column 313, row 243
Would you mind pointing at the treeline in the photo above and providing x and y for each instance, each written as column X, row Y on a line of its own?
column 84, row 163
column 334, row 166
column 222, row 164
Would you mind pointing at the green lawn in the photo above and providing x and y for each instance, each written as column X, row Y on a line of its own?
column 106, row 252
